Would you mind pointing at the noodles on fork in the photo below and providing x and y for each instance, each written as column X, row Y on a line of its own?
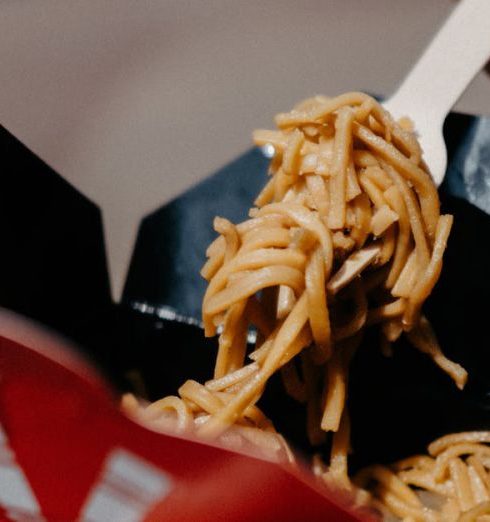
column 346, row 234
column 319, row 147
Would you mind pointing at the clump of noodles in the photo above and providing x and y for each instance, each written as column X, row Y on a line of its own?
column 346, row 234
column 450, row 484
column 253, row 434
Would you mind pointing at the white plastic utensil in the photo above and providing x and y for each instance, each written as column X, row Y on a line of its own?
column 458, row 51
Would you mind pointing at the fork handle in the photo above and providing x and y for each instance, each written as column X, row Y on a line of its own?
column 458, row 51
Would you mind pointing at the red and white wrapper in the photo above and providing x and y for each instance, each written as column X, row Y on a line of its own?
column 67, row 453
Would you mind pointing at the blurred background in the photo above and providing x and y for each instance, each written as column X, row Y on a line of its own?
column 133, row 102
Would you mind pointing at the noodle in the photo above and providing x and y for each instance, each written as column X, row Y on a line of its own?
column 342, row 153
column 346, row 234
column 317, row 307
column 456, row 478
column 393, row 197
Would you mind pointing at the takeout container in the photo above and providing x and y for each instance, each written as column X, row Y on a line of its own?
column 60, row 417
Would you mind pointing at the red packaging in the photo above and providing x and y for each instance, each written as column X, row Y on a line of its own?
column 67, row 453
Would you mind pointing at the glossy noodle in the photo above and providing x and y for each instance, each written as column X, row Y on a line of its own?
column 346, row 234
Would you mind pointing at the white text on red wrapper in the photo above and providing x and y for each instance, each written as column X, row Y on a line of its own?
column 126, row 488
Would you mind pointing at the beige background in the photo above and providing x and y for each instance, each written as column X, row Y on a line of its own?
column 135, row 100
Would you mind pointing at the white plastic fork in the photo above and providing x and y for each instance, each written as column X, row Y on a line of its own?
column 458, row 51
